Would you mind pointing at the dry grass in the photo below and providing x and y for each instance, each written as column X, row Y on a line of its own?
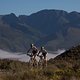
column 58, row 69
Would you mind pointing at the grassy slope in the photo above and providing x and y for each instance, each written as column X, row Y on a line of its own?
column 64, row 67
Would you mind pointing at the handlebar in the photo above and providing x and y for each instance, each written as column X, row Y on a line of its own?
column 29, row 55
column 41, row 56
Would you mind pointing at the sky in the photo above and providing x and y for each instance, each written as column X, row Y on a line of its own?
column 27, row 7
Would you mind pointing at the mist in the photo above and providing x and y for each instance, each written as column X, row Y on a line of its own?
column 24, row 58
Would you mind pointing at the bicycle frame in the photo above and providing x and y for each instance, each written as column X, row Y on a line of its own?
column 32, row 62
column 42, row 62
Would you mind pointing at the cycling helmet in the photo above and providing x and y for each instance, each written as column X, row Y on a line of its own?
column 42, row 48
column 32, row 45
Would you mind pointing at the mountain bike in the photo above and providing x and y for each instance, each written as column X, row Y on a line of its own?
column 42, row 62
column 32, row 61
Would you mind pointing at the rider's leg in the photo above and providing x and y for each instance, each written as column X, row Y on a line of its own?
column 31, row 63
column 34, row 58
column 45, row 60
column 34, row 54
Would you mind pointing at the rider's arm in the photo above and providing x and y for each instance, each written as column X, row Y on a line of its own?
column 46, row 52
column 28, row 50
column 39, row 52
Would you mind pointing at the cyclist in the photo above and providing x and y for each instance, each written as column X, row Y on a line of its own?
column 44, row 53
column 34, row 50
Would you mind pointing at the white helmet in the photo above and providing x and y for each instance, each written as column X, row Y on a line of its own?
column 32, row 45
column 42, row 47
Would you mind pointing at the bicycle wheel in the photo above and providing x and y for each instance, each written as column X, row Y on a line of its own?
column 35, row 63
column 45, row 63
column 31, row 63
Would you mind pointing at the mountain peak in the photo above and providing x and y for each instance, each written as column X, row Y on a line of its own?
column 50, row 11
column 12, row 14
column 10, row 18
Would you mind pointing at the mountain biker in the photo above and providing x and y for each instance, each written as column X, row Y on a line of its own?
column 44, row 53
column 34, row 50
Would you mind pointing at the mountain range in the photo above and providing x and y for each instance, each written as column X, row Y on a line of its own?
column 54, row 29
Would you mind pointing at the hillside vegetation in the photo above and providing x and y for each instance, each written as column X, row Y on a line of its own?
column 64, row 67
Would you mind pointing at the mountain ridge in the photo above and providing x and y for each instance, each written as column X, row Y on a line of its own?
column 50, row 28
